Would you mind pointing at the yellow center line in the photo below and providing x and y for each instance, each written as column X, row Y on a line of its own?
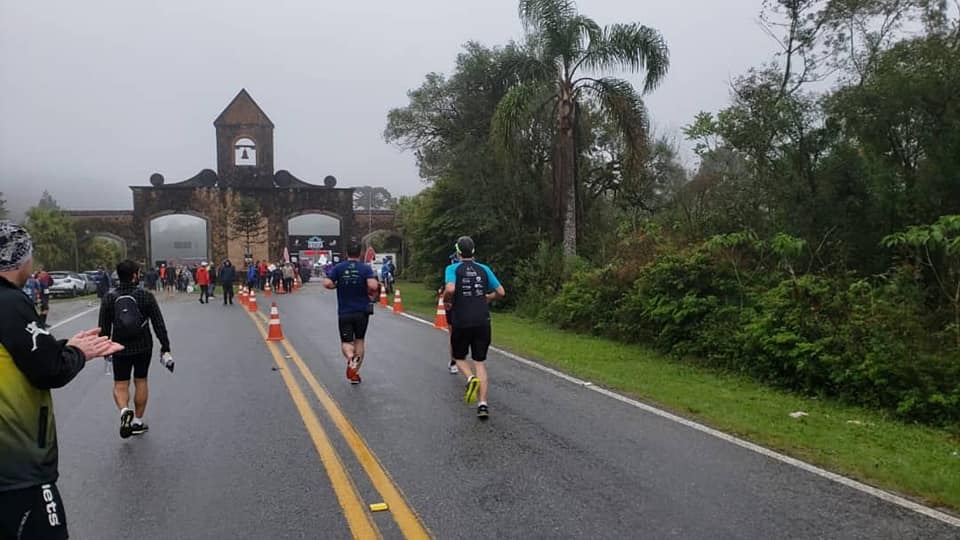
column 359, row 521
column 406, row 519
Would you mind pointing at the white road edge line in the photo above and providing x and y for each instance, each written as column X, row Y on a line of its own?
column 73, row 318
column 840, row 479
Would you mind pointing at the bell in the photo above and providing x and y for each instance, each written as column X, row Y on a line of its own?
column 244, row 155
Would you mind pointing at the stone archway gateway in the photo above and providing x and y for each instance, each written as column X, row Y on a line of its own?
column 245, row 168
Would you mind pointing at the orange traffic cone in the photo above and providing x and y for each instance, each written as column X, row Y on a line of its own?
column 252, row 302
column 297, row 283
column 266, row 289
column 397, row 303
column 280, row 289
column 242, row 296
column 383, row 296
column 440, row 322
column 275, row 333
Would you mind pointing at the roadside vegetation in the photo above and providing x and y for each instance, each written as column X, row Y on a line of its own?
column 810, row 261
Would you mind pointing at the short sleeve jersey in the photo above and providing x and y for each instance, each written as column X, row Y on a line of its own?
column 472, row 281
column 351, row 280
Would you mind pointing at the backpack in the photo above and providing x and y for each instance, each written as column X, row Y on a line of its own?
column 128, row 321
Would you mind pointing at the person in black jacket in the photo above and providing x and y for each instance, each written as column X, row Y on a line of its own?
column 228, row 274
column 32, row 362
column 127, row 301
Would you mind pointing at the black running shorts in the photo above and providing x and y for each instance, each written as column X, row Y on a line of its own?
column 35, row 512
column 139, row 364
column 353, row 326
column 475, row 339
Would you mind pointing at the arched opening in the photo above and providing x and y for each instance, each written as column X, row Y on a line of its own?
column 178, row 239
column 313, row 239
column 386, row 243
column 314, row 223
column 101, row 250
column 245, row 152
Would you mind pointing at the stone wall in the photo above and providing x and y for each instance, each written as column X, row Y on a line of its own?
column 214, row 205
column 116, row 224
column 365, row 222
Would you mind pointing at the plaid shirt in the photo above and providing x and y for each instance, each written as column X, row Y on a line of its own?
column 148, row 308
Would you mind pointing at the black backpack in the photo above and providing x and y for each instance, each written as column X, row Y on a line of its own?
column 128, row 321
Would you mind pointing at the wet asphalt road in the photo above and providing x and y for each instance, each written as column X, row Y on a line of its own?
column 228, row 455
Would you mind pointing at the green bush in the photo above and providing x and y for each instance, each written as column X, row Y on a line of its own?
column 793, row 338
column 539, row 278
column 586, row 302
column 726, row 305
column 676, row 301
column 892, row 362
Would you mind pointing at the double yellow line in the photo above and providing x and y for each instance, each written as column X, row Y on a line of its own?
column 354, row 509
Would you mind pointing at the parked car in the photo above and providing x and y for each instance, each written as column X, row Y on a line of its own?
column 93, row 276
column 67, row 284
column 90, row 283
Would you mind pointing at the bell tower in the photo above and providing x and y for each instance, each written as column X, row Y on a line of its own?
column 244, row 144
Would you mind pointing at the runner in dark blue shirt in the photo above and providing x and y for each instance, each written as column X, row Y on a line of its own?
column 355, row 283
column 470, row 287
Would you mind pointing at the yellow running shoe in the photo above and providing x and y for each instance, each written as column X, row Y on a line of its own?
column 473, row 386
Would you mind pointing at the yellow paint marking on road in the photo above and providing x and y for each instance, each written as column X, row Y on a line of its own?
column 360, row 522
column 406, row 519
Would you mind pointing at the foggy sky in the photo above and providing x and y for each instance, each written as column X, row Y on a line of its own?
column 97, row 95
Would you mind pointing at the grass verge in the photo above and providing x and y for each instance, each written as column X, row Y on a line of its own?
column 868, row 445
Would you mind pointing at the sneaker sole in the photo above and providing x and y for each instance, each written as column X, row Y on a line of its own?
column 483, row 415
column 140, row 432
column 472, row 388
column 125, row 428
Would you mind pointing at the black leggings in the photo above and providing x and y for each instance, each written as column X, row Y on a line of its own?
column 34, row 512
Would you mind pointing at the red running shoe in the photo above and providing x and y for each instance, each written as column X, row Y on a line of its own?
column 353, row 371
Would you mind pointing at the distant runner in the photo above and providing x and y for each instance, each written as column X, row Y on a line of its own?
column 356, row 285
column 470, row 287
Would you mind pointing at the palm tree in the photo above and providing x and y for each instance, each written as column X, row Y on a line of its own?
column 561, row 44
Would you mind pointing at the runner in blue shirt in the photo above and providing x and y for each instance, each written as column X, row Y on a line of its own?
column 355, row 283
column 470, row 287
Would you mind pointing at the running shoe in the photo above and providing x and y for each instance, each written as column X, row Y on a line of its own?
column 483, row 412
column 353, row 370
column 453, row 369
column 139, row 429
column 126, row 416
column 473, row 385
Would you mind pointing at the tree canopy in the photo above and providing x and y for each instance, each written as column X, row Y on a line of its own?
column 813, row 243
